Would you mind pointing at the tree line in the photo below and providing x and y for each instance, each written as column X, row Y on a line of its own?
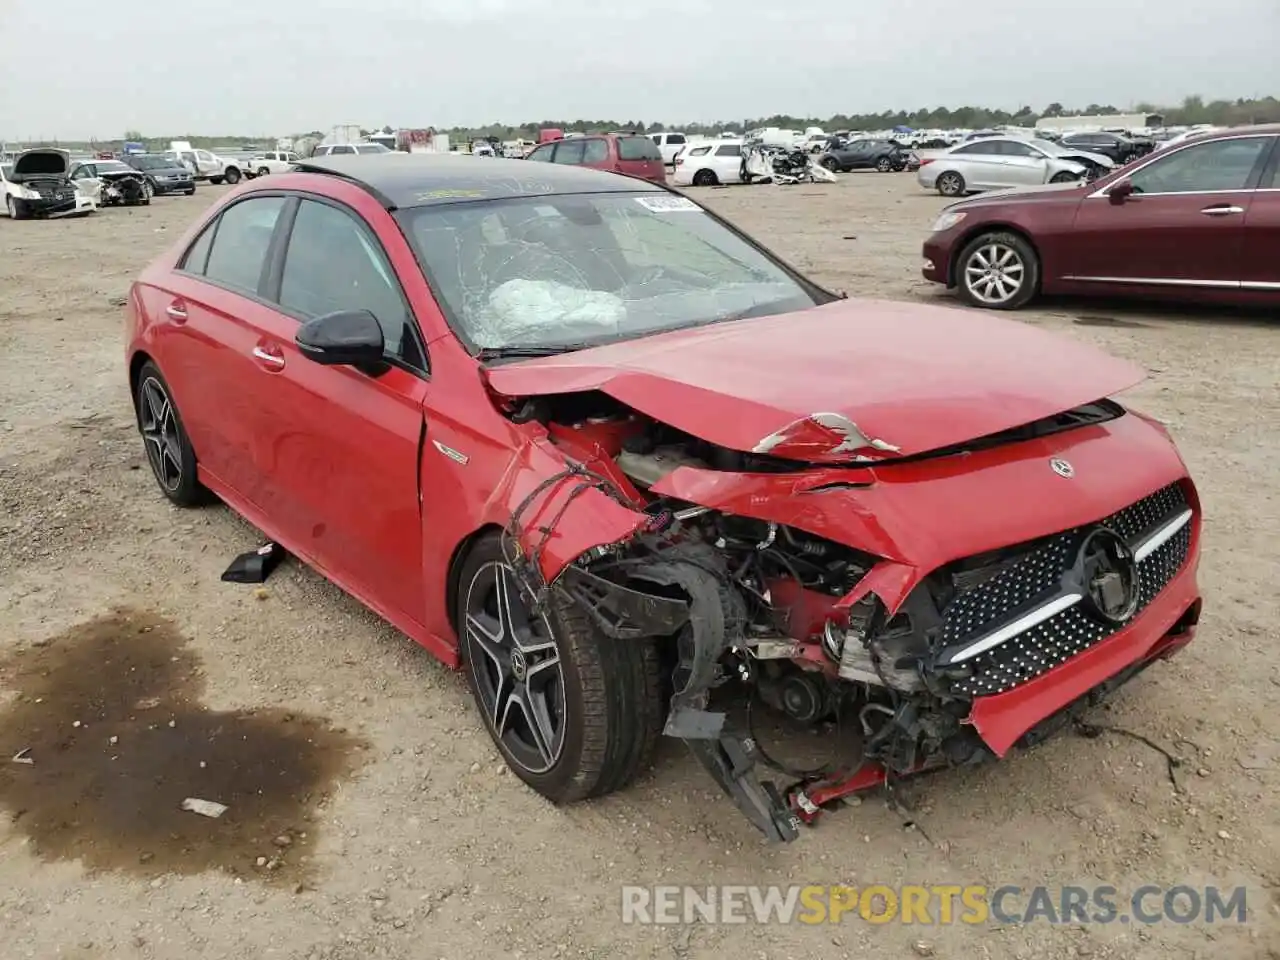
column 1193, row 109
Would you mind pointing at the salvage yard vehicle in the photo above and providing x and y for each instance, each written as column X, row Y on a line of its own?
column 885, row 156
column 204, row 164
column 709, row 162
column 38, row 184
column 584, row 438
column 113, row 183
column 995, row 162
column 164, row 175
column 632, row 154
column 1199, row 221
column 272, row 161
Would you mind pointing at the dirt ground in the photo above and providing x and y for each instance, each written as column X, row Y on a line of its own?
column 400, row 835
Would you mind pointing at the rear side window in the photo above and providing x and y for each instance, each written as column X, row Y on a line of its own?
column 239, row 251
column 699, row 151
column 595, row 151
column 637, row 148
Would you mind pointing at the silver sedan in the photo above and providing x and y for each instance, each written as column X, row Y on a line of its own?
column 994, row 163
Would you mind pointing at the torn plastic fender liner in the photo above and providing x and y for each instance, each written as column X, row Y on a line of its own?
column 556, row 511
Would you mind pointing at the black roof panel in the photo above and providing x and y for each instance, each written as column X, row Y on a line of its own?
column 432, row 179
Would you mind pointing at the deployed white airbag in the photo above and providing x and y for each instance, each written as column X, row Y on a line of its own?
column 543, row 311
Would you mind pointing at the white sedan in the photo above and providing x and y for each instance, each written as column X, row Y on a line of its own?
column 994, row 163
column 707, row 163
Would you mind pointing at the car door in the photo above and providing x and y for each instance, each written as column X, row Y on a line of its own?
column 339, row 449
column 1259, row 263
column 728, row 162
column 1183, row 225
column 207, row 313
column 85, row 177
column 978, row 162
column 1019, row 164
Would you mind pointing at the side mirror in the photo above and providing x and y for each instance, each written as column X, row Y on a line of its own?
column 1120, row 192
column 343, row 338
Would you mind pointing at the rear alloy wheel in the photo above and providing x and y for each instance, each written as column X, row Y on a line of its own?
column 999, row 271
column 950, row 184
column 574, row 713
column 173, row 461
column 705, row 178
column 884, row 165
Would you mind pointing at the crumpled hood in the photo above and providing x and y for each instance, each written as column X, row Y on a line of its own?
column 851, row 379
column 43, row 161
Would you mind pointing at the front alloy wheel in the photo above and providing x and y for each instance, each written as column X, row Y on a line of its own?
column 999, row 271
column 574, row 713
column 518, row 678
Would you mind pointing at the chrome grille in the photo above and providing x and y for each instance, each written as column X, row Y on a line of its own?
column 1033, row 577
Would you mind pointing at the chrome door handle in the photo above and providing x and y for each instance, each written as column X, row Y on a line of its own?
column 270, row 359
column 176, row 312
column 1223, row 211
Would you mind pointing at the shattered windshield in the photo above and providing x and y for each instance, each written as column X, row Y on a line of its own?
column 580, row 270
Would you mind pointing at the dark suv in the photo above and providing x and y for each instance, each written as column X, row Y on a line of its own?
column 164, row 175
column 632, row 154
column 882, row 155
column 1116, row 146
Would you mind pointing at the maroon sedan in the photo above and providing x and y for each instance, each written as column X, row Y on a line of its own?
column 1197, row 221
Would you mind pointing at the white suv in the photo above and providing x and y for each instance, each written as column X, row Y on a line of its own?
column 337, row 149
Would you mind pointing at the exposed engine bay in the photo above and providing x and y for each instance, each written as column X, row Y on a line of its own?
column 791, row 615
column 124, row 189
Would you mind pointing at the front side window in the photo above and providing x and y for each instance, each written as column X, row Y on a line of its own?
column 570, row 151
column 729, row 150
column 333, row 264
column 562, row 272
column 543, row 153
column 1204, row 167
column 1011, row 148
column 675, row 138
column 240, row 244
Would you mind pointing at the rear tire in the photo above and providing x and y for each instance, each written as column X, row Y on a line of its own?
column 998, row 271
column 232, row 177
column 705, row 178
column 950, row 184
column 599, row 728
column 164, row 438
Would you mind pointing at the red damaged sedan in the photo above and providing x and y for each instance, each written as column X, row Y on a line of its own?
column 1199, row 221
column 584, row 438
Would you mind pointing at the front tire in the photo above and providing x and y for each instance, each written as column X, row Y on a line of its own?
column 950, row 184
column 168, row 448
column 831, row 163
column 574, row 713
column 263, row 171
column 884, row 165
column 998, row 271
column 1063, row 176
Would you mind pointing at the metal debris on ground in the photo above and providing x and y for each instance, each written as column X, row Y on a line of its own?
column 206, row 808
column 22, row 756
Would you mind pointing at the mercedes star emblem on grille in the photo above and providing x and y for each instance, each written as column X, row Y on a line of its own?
column 1062, row 468
column 1110, row 575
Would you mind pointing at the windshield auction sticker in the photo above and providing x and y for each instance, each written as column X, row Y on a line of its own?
column 664, row 204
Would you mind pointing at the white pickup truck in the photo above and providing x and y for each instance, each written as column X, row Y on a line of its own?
column 271, row 161
column 205, row 165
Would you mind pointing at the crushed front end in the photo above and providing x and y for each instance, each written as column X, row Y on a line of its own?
column 779, row 579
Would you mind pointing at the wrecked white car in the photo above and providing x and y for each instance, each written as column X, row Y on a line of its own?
column 39, row 184
column 112, row 183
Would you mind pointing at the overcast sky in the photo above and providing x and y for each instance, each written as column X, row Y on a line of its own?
column 75, row 68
